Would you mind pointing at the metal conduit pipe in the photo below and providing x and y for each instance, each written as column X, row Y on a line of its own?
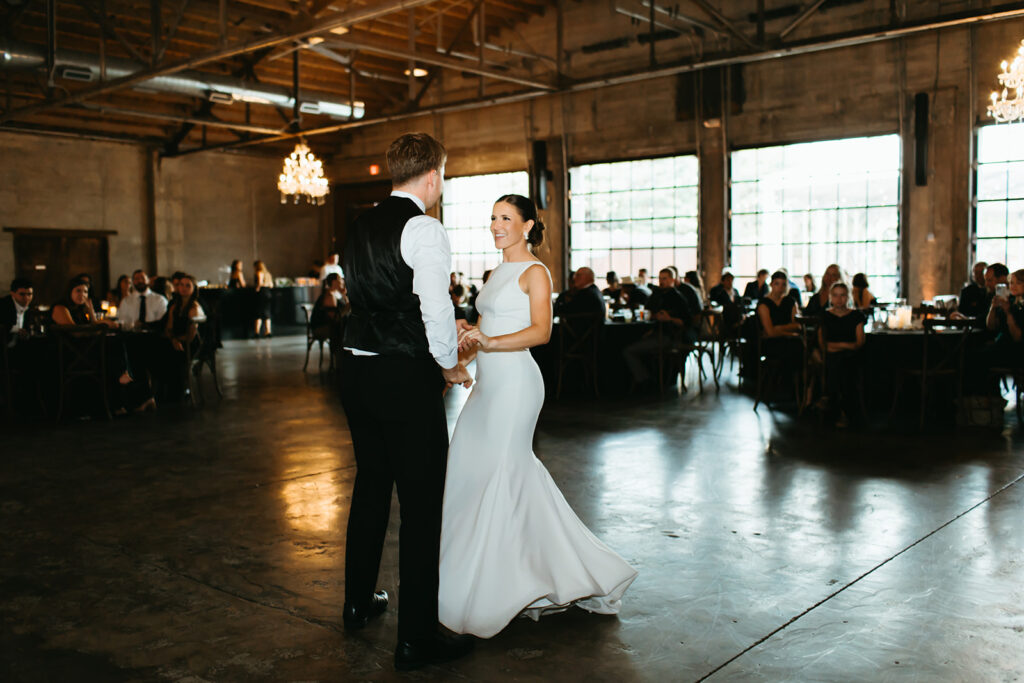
column 222, row 89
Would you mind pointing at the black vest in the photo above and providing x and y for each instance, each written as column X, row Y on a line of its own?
column 385, row 316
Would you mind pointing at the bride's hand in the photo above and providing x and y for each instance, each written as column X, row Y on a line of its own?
column 464, row 342
column 475, row 336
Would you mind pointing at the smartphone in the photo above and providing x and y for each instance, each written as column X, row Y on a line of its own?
column 1002, row 291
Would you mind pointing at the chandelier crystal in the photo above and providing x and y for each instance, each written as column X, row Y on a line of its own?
column 1006, row 109
column 303, row 176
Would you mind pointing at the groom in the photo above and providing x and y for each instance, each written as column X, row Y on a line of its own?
column 401, row 351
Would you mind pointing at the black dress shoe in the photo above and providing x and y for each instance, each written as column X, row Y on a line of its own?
column 358, row 617
column 414, row 654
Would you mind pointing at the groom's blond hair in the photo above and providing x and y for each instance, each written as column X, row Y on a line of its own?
column 412, row 155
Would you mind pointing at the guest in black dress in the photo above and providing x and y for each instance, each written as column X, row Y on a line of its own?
column 841, row 336
column 780, row 333
column 263, row 284
column 237, row 278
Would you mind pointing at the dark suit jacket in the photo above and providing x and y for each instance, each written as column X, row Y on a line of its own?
column 974, row 301
column 720, row 296
column 755, row 293
column 586, row 300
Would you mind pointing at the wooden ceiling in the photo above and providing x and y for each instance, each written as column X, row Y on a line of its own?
column 357, row 50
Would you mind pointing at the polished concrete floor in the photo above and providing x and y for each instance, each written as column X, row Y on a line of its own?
column 209, row 545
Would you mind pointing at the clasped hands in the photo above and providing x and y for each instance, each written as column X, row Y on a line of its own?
column 469, row 336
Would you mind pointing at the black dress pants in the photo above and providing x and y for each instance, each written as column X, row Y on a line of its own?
column 395, row 411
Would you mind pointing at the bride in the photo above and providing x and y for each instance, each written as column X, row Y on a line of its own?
column 510, row 543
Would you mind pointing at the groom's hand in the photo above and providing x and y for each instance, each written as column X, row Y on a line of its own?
column 457, row 375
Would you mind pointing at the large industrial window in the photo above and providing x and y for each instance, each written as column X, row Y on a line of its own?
column 634, row 214
column 802, row 207
column 466, row 213
column 999, row 222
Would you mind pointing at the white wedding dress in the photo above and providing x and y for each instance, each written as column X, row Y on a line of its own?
column 510, row 543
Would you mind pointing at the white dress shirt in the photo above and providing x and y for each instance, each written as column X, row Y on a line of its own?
column 19, row 313
column 156, row 306
column 425, row 249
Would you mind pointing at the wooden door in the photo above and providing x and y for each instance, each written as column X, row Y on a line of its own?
column 50, row 258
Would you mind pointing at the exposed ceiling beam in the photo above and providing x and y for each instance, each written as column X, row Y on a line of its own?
column 432, row 76
column 823, row 44
column 173, row 30
column 804, row 16
column 675, row 14
column 352, row 16
column 108, row 29
column 202, row 117
column 443, row 61
column 725, row 23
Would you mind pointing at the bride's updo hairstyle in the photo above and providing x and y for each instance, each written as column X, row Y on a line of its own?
column 528, row 212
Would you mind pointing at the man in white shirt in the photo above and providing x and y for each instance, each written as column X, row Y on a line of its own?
column 331, row 267
column 402, row 349
column 142, row 305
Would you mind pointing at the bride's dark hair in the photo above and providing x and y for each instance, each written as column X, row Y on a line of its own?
column 528, row 212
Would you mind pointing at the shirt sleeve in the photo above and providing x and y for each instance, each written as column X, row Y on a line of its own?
column 426, row 250
column 156, row 307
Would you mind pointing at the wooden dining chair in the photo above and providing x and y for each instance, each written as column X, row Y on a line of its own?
column 316, row 336
column 1016, row 375
column 769, row 370
column 941, row 359
column 578, row 339
column 82, row 359
column 208, row 334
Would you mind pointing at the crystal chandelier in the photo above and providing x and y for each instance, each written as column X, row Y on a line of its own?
column 303, row 176
column 1005, row 109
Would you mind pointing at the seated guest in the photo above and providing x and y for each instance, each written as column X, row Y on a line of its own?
column 841, row 335
column 974, row 301
column 639, row 293
column 1006, row 316
column 692, row 295
column 329, row 307
column 757, row 288
column 862, row 296
column 614, row 289
column 725, row 295
column 995, row 275
column 458, row 294
column 821, row 299
column 143, row 306
column 692, row 278
column 808, row 282
column 776, row 315
column 15, row 315
column 76, row 309
column 671, row 310
column 120, row 292
column 582, row 297
column 237, row 278
column 641, row 278
column 182, row 329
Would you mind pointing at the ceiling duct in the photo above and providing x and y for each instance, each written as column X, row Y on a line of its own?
column 79, row 66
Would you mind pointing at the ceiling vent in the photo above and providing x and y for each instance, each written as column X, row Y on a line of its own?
column 76, row 73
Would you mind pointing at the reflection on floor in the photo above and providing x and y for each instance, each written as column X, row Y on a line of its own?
column 208, row 545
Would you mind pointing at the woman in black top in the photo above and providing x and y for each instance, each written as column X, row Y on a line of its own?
column 841, row 335
column 237, row 278
column 780, row 332
column 862, row 296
